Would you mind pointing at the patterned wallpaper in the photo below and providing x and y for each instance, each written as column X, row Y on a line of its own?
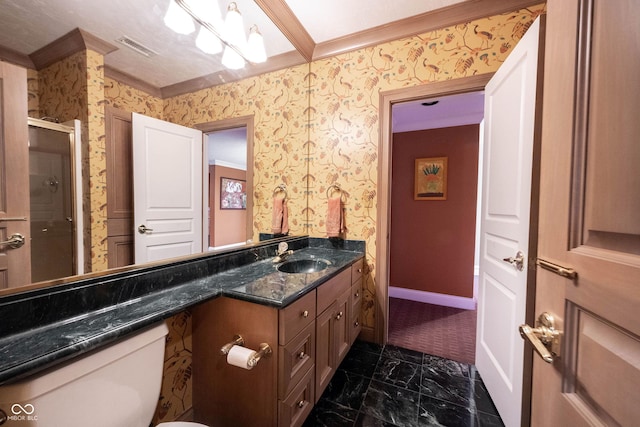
column 127, row 98
column 279, row 104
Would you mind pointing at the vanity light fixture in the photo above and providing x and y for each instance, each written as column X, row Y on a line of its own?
column 215, row 34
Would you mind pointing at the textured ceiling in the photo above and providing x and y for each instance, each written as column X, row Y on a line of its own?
column 27, row 25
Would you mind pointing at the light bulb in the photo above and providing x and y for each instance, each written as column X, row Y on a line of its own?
column 255, row 46
column 231, row 59
column 233, row 27
column 207, row 42
column 178, row 20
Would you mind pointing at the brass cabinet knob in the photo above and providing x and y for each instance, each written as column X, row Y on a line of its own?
column 301, row 404
column 357, row 294
column 339, row 316
column 305, row 314
column 301, row 355
column 356, row 324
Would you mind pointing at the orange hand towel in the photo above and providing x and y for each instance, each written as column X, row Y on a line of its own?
column 280, row 219
column 335, row 218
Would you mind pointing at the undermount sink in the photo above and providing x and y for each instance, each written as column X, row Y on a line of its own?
column 303, row 266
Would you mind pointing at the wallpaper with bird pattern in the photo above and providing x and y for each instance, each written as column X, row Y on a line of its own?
column 315, row 125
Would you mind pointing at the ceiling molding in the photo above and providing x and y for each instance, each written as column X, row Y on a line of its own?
column 72, row 42
column 278, row 62
column 134, row 82
column 287, row 22
column 441, row 18
column 16, row 58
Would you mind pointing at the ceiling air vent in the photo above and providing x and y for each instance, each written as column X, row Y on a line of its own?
column 138, row 47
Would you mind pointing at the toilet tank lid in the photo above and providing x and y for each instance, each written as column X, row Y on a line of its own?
column 50, row 379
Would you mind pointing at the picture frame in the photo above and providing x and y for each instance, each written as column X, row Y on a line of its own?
column 430, row 181
column 233, row 193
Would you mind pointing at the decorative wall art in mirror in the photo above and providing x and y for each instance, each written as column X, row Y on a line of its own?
column 233, row 193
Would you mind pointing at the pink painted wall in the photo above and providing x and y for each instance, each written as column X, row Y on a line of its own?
column 226, row 226
column 432, row 242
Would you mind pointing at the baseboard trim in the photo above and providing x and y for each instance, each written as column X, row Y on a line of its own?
column 433, row 298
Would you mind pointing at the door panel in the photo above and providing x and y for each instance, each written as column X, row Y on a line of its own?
column 510, row 134
column 589, row 219
column 15, row 264
column 167, row 189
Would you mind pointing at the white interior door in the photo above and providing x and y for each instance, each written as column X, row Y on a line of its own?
column 167, row 189
column 510, row 106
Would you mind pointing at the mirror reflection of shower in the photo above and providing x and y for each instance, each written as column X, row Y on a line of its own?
column 55, row 200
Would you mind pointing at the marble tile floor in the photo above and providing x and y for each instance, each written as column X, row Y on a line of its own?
column 391, row 386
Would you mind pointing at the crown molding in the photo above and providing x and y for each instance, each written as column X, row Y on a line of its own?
column 452, row 15
column 72, row 42
column 16, row 58
column 134, row 82
column 274, row 63
column 283, row 17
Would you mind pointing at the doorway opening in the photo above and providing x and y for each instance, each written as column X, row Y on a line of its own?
column 226, row 153
column 228, row 182
column 434, row 240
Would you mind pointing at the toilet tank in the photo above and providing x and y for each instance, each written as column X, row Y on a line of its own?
column 115, row 386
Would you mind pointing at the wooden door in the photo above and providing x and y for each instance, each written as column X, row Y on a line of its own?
column 119, row 187
column 589, row 221
column 167, row 186
column 505, row 245
column 15, row 263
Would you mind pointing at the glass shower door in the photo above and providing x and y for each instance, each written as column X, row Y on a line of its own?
column 52, row 203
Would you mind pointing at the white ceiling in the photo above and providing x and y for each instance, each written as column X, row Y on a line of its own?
column 27, row 25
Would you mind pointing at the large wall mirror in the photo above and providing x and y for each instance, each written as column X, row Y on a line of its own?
column 145, row 61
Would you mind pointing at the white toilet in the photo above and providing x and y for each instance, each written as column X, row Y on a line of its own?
column 116, row 386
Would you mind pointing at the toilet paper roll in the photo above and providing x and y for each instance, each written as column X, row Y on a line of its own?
column 239, row 356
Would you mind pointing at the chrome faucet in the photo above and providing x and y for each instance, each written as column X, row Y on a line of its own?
column 282, row 252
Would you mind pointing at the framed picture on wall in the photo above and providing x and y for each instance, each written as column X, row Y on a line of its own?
column 431, row 179
column 233, row 193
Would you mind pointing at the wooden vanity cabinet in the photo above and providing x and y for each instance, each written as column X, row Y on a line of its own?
column 332, row 328
column 356, row 299
column 309, row 338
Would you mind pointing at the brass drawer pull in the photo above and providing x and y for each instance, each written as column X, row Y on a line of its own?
column 357, row 294
column 302, row 355
column 356, row 324
column 339, row 316
column 301, row 404
column 305, row 314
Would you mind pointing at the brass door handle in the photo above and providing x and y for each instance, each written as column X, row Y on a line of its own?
column 517, row 262
column 15, row 241
column 544, row 337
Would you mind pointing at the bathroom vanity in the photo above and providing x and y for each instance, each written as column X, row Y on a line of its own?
column 308, row 340
column 309, row 318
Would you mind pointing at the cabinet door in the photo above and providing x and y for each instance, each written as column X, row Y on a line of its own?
column 325, row 353
column 341, row 327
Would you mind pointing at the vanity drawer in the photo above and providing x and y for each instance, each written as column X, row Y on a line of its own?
column 293, row 410
column 356, row 295
column 296, row 317
column 356, row 270
column 330, row 291
column 295, row 359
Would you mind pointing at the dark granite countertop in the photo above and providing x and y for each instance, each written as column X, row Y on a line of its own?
column 51, row 340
